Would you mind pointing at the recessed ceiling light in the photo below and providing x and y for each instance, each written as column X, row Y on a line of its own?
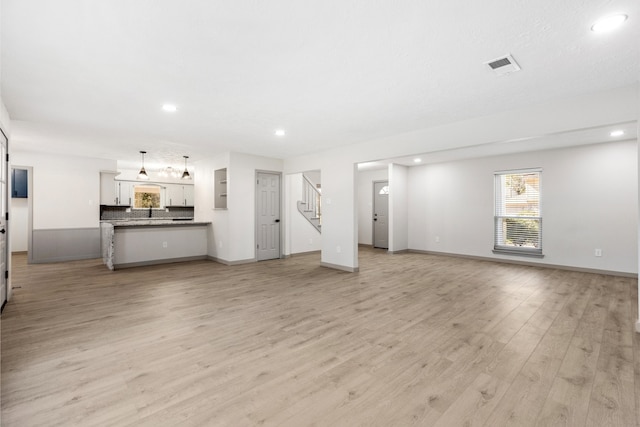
column 279, row 132
column 608, row 23
column 169, row 108
column 617, row 133
column 417, row 160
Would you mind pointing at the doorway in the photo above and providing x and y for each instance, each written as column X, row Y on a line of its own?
column 267, row 215
column 381, row 214
column 4, row 253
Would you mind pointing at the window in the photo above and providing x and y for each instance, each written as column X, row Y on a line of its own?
column 146, row 196
column 384, row 190
column 518, row 218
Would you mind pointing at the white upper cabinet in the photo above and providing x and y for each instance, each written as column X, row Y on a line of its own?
column 107, row 188
column 189, row 196
column 124, row 193
column 179, row 195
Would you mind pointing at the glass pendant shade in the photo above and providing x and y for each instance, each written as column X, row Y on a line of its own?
column 143, row 173
column 185, row 174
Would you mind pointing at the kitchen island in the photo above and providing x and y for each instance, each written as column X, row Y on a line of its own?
column 133, row 243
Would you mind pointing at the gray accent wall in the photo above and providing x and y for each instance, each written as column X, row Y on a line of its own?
column 64, row 244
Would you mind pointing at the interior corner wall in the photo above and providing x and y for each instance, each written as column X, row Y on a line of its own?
column 66, row 205
column 589, row 200
column 616, row 105
column 398, row 208
column 232, row 232
column 339, row 220
column 302, row 236
column 204, row 209
column 241, row 201
column 365, row 180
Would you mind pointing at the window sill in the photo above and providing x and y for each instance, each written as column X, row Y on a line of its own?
column 518, row 253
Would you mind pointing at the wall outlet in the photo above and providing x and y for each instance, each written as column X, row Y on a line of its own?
column 338, row 249
column 311, row 241
column 437, row 239
column 598, row 252
column 164, row 244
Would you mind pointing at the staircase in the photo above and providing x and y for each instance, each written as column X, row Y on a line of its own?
column 309, row 206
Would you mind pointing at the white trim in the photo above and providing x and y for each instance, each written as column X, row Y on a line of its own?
column 515, row 171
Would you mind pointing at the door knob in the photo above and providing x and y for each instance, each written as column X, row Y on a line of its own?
column 3, row 231
column 277, row 220
column 375, row 219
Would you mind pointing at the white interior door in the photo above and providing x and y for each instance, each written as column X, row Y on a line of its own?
column 268, row 215
column 381, row 214
column 4, row 173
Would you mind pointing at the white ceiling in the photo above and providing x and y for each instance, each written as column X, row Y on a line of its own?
column 90, row 77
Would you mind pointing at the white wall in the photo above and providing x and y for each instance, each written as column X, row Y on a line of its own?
column 66, row 189
column 601, row 108
column 314, row 176
column 232, row 234
column 398, row 205
column 364, row 184
column 242, row 202
column 218, row 237
column 589, row 201
column 339, row 220
column 300, row 235
column 18, row 224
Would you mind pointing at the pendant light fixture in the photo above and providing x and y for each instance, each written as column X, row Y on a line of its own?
column 185, row 174
column 143, row 173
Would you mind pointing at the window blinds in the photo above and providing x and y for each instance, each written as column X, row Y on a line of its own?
column 518, row 219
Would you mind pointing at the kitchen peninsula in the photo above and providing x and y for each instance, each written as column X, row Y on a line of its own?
column 138, row 242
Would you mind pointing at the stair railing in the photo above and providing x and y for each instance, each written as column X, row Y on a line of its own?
column 311, row 204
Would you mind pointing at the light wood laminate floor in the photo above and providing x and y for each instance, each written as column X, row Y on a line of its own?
column 412, row 339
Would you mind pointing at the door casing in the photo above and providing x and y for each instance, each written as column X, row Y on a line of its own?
column 280, row 214
column 4, row 221
column 373, row 213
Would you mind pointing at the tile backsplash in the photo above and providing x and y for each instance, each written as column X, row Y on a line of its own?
column 117, row 212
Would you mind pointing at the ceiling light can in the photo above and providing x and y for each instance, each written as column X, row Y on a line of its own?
column 609, row 23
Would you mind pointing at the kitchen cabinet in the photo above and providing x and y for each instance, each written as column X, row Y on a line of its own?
column 179, row 195
column 108, row 192
column 124, row 193
column 189, row 196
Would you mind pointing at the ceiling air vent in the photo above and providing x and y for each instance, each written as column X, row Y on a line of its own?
column 504, row 65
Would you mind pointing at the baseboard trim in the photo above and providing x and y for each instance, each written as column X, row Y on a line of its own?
column 304, row 253
column 159, row 261
column 18, row 252
column 64, row 259
column 529, row 264
column 340, row 267
column 402, row 251
column 225, row 262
